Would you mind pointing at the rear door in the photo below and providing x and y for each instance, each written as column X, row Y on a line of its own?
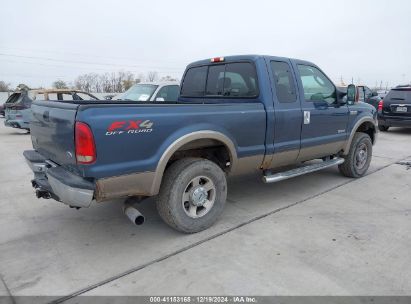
column 52, row 131
column 287, row 112
column 324, row 129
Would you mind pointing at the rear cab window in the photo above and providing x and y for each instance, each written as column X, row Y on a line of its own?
column 194, row 82
column 226, row 80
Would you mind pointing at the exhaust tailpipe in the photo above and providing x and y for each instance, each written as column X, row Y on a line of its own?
column 43, row 194
column 134, row 215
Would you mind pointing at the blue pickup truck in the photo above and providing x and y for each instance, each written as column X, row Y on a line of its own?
column 276, row 116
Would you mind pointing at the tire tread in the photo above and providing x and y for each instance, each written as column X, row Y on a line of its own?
column 347, row 168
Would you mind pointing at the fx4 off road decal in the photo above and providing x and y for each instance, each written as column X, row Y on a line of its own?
column 130, row 127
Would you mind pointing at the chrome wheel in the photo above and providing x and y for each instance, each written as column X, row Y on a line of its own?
column 361, row 156
column 199, row 196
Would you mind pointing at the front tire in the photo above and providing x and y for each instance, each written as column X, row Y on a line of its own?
column 359, row 157
column 192, row 195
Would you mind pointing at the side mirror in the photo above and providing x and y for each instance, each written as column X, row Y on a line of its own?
column 160, row 99
column 351, row 94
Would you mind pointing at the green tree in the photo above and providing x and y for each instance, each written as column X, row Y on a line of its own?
column 60, row 84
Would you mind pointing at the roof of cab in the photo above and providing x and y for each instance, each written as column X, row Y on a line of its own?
column 226, row 59
column 252, row 57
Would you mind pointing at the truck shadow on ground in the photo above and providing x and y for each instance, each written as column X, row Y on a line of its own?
column 248, row 197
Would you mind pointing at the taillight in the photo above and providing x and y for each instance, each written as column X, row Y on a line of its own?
column 84, row 141
column 380, row 105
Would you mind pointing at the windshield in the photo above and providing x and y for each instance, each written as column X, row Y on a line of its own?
column 138, row 92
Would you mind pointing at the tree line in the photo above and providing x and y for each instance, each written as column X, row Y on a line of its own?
column 102, row 83
column 110, row 82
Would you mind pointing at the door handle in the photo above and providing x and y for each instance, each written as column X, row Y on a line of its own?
column 307, row 117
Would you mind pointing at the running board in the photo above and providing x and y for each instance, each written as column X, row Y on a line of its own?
column 273, row 178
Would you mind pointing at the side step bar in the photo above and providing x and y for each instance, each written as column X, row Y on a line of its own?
column 273, row 178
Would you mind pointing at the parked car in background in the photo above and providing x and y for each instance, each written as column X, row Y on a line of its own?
column 395, row 109
column 235, row 115
column 17, row 107
column 2, row 110
column 151, row 91
column 365, row 94
column 17, row 110
column 382, row 93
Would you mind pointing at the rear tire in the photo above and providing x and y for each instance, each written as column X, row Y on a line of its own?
column 383, row 128
column 192, row 195
column 359, row 157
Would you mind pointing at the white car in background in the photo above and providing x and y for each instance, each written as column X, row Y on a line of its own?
column 151, row 91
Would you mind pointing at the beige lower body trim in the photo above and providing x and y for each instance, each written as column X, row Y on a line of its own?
column 284, row 158
column 248, row 164
column 320, row 151
column 142, row 183
column 125, row 185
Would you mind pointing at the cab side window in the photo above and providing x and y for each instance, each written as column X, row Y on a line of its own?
column 168, row 93
column 316, row 86
column 283, row 81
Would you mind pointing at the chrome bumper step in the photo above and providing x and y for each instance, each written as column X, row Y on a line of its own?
column 273, row 178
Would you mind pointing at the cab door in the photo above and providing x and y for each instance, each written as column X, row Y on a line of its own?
column 325, row 120
column 287, row 112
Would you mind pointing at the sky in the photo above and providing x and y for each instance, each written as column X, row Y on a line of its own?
column 43, row 41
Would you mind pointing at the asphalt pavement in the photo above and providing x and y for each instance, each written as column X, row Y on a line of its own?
column 318, row 234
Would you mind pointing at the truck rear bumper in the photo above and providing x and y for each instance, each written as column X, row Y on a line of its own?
column 53, row 181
